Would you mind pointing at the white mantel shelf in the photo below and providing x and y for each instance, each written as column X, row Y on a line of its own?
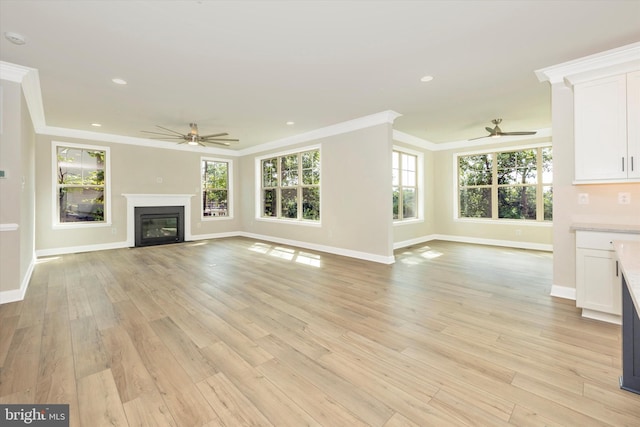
column 145, row 200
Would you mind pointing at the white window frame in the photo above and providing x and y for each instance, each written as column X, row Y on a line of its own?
column 229, row 163
column 539, row 221
column 419, row 184
column 258, row 192
column 55, row 212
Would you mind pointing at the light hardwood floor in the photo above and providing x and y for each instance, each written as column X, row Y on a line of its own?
column 242, row 332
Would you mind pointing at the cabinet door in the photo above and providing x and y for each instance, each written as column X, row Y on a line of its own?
column 597, row 285
column 633, row 124
column 600, row 110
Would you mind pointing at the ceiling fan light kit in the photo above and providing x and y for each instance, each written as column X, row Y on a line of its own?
column 192, row 137
column 496, row 132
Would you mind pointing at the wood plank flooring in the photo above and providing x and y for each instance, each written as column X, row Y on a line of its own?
column 235, row 331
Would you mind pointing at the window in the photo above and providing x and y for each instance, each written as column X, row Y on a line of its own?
column 290, row 186
column 216, row 188
column 81, row 190
column 405, row 186
column 506, row 185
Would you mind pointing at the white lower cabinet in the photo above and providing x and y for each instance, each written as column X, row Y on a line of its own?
column 598, row 277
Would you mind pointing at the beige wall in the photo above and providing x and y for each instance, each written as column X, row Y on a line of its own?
column 603, row 204
column 406, row 233
column 16, row 190
column 519, row 233
column 134, row 169
column 355, row 195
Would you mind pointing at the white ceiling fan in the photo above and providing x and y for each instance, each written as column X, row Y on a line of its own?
column 496, row 132
column 193, row 137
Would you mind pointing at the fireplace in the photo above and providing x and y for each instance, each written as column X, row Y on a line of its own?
column 135, row 201
column 159, row 225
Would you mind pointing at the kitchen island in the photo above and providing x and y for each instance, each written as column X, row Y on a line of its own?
column 628, row 256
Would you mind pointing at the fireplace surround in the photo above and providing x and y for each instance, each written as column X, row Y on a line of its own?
column 158, row 225
column 157, row 200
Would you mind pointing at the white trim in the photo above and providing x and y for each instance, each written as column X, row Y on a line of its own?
column 230, row 180
column 30, row 82
column 339, row 128
column 214, row 235
column 478, row 241
column 9, row 227
column 258, row 186
column 414, row 140
column 142, row 200
column 613, row 61
column 603, row 317
column 55, row 217
column 322, row 248
column 78, row 249
column 419, row 183
column 563, row 292
column 14, row 295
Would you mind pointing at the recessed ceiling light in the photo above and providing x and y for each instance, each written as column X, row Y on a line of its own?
column 97, row 125
column 426, row 79
column 15, row 38
column 290, row 123
column 119, row 81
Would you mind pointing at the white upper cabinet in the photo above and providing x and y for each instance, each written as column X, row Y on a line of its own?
column 607, row 129
column 633, row 124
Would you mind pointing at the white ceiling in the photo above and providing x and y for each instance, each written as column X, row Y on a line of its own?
column 248, row 67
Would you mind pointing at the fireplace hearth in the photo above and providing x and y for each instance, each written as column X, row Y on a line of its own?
column 158, row 225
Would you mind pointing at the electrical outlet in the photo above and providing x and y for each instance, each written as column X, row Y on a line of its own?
column 583, row 198
column 624, row 198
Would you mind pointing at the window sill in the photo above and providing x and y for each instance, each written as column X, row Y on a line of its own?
column 408, row 221
column 77, row 225
column 523, row 222
column 215, row 218
column 302, row 222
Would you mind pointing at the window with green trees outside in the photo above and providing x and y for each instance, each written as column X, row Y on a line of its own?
column 501, row 185
column 290, row 186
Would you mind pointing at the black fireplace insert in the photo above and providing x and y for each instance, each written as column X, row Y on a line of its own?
column 159, row 225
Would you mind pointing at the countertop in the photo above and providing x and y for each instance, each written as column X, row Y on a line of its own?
column 608, row 228
column 628, row 254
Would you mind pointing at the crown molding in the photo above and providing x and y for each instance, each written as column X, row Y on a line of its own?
column 610, row 62
column 120, row 139
column 30, row 81
column 339, row 128
column 13, row 72
column 414, row 140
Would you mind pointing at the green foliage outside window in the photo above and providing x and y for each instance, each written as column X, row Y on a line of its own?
column 291, row 186
column 215, row 188
column 506, row 185
column 404, row 181
column 80, row 184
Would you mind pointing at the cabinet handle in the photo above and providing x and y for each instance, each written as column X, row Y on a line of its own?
column 617, row 269
column 622, row 163
column 631, row 163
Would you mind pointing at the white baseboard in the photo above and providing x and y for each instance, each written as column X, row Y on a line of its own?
column 77, row 249
column 603, row 317
column 476, row 240
column 214, row 235
column 322, row 248
column 18, row 294
column 563, row 292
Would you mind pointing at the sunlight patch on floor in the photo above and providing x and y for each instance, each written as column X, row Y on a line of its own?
column 287, row 254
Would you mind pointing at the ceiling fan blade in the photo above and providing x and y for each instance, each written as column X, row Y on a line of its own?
column 213, row 135
column 490, row 130
column 219, row 139
column 170, row 130
column 166, row 137
column 479, row 137
column 158, row 133
column 518, row 133
column 218, row 142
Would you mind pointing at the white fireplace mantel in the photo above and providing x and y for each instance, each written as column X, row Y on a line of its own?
column 144, row 200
